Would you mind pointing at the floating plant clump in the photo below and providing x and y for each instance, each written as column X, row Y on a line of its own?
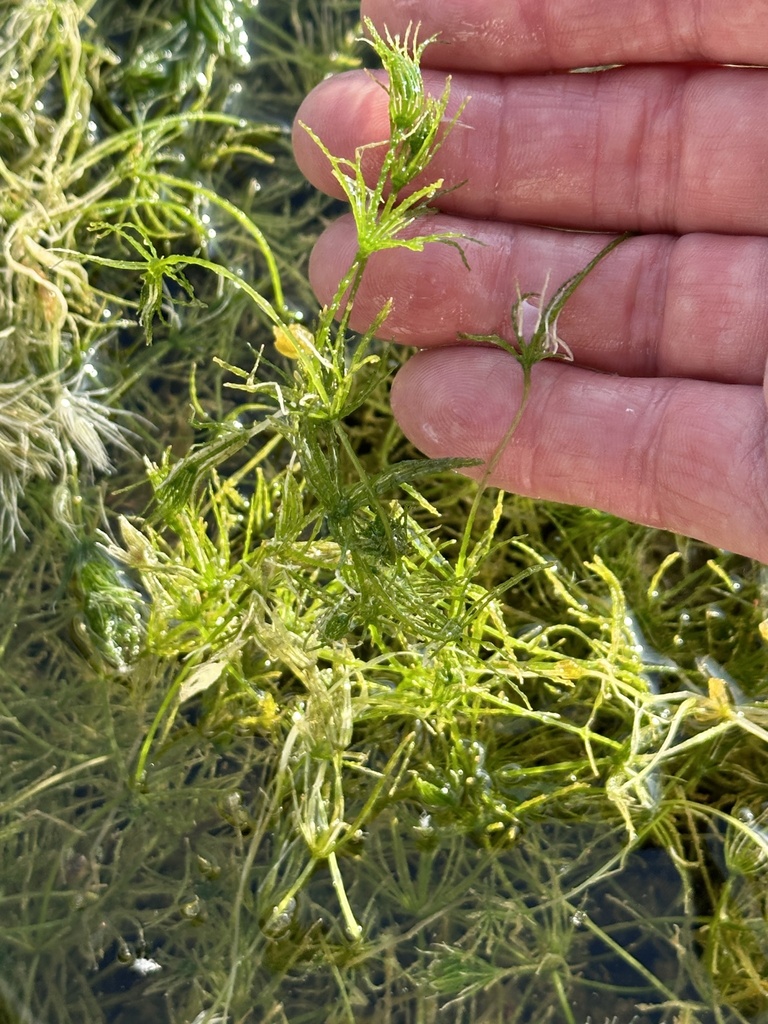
column 296, row 725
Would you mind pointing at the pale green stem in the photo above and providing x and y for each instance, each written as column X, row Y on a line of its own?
column 353, row 928
column 489, row 468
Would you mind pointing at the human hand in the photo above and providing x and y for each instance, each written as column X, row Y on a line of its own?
column 662, row 417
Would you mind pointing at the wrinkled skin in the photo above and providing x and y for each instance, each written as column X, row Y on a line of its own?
column 662, row 416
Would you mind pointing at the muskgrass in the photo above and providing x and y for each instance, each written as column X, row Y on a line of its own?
column 297, row 725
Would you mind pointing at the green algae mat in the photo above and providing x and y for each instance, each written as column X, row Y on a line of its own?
column 296, row 725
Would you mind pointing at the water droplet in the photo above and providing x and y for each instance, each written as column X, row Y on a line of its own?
column 124, row 954
column 430, row 432
column 192, row 908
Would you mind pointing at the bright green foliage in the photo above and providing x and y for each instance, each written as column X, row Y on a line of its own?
column 296, row 725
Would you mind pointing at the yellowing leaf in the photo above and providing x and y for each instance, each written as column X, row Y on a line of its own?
column 200, row 678
column 288, row 340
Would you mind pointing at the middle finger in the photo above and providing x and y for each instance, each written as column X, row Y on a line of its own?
column 659, row 305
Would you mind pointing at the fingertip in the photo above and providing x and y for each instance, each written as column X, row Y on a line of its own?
column 345, row 112
column 332, row 256
column 313, row 115
column 451, row 401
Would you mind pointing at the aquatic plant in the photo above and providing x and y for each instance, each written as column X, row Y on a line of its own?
column 296, row 724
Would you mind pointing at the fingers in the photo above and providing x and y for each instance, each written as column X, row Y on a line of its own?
column 687, row 456
column 649, row 149
column 695, row 306
column 532, row 35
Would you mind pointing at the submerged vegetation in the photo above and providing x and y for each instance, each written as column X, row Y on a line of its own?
column 295, row 725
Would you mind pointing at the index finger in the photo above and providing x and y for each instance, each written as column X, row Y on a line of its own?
column 657, row 148
column 546, row 35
